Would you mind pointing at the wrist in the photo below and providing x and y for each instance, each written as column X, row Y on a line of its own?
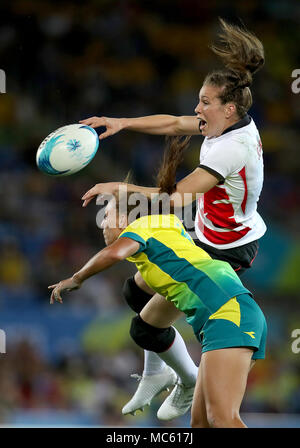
column 124, row 123
column 119, row 186
column 78, row 278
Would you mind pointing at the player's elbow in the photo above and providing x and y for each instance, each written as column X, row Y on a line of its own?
column 116, row 255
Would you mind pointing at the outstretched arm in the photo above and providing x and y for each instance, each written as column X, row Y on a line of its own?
column 151, row 124
column 199, row 181
column 110, row 188
column 107, row 257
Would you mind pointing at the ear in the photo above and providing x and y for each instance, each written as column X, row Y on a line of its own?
column 230, row 109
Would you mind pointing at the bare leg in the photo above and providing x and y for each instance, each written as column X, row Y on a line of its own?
column 159, row 312
column 198, row 412
column 162, row 314
column 157, row 376
column 159, row 308
column 221, row 385
column 142, row 284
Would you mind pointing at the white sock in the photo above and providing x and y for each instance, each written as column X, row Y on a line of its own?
column 178, row 358
column 152, row 363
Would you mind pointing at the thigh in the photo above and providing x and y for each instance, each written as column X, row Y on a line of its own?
column 159, row 312
column 224, row 378
column 140, row 282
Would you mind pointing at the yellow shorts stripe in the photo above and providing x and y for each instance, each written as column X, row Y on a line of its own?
column 229, row 311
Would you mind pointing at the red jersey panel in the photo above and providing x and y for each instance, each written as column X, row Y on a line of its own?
column 227, row 214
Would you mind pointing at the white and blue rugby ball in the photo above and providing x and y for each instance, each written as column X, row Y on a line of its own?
column 67, row 150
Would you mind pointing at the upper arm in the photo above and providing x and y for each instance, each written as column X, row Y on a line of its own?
column 123, row 248
column 199, row 181
column 188, row 125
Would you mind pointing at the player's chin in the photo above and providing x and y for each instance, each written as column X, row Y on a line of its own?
column 204, row 129
column 108, row 240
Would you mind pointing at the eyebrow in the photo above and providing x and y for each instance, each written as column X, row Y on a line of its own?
column 204, row 96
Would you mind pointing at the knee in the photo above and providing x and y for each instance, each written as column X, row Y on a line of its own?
column 135, row 297
column 151, row 338
column 199, row 422
column 223, row 418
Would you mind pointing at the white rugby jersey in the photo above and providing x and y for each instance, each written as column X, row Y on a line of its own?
column 227, row 214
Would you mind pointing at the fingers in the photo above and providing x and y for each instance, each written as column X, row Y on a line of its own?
column 108, row 123
column 94, row 122
column 99, row 201
column 55, row 296
column 105, row 134
column 88, row 196
column 89, row 121
column 86, row 202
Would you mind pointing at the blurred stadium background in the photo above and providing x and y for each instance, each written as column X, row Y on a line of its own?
column 70, row 364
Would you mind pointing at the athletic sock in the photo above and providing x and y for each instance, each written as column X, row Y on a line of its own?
column 178, row 358
column 152, row 363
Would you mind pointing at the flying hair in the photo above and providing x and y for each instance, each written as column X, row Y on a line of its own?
column 242, row 55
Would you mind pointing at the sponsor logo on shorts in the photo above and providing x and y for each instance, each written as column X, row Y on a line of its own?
column 250, row 333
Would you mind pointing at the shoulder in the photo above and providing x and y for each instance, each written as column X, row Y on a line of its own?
column 227, row 146
column 139, row 226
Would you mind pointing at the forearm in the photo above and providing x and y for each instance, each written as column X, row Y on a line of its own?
column 101, row 261
column 131, row 188
column 119, row 250
column 162, row 125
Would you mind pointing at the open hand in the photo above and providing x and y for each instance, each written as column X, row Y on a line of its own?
column 107, row 188
column 112, row 125
column 64, row 285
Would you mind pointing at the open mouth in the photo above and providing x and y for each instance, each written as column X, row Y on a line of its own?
column 203, row 124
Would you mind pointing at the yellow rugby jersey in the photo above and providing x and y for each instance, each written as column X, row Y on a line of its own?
column 171, row 264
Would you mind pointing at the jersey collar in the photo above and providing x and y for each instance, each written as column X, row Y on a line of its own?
column 240, row 124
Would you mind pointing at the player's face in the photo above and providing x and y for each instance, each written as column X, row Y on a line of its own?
column 210, row 112
column 110, row 224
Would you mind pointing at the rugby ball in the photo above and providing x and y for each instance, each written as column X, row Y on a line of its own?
column 67, row 150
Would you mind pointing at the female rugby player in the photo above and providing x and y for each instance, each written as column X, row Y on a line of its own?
column 225, row 318
column 230, row 173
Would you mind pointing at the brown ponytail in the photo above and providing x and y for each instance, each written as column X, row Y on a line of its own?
column 173, row 155
column 242, row 54
column 166, row 179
